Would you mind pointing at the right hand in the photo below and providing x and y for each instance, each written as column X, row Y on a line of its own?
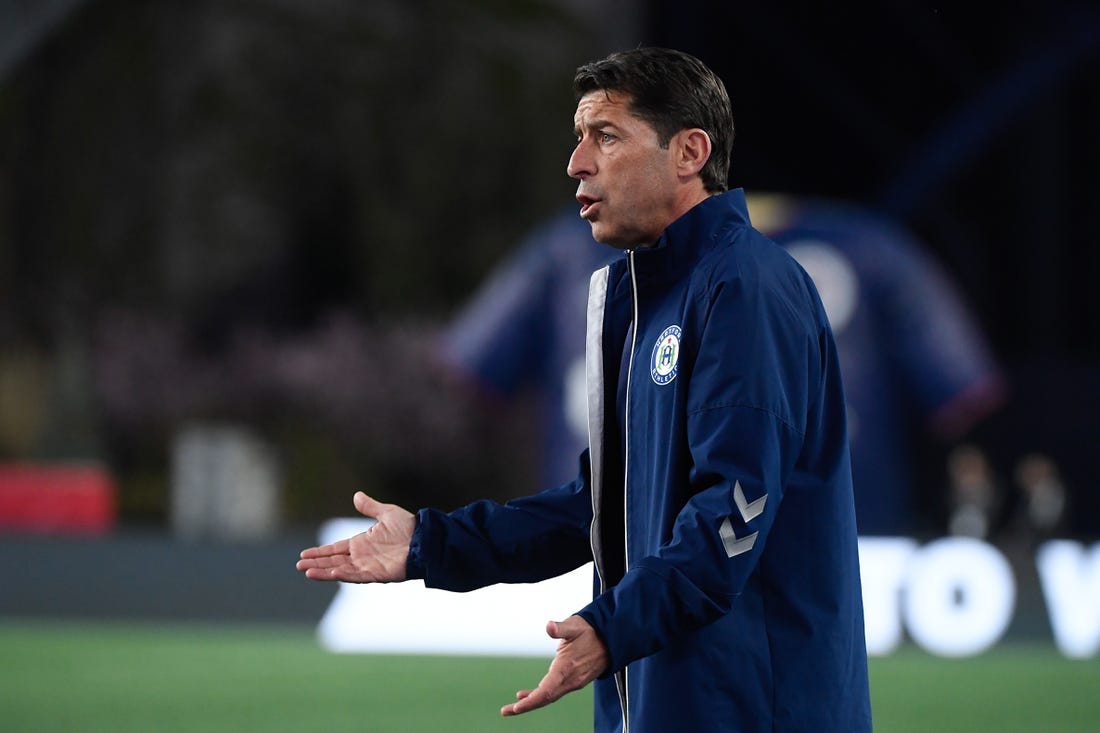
column 375, row 556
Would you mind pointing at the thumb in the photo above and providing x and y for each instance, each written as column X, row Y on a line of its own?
column 562, row 629
column 365, row 505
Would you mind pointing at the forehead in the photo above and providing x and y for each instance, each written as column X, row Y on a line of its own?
column 600, row 106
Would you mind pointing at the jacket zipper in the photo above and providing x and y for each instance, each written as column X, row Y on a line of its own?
column 621, row 681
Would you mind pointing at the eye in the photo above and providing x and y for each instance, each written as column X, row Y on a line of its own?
column 606, row 137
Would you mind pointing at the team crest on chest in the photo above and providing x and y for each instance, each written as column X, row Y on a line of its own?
column 666, row 356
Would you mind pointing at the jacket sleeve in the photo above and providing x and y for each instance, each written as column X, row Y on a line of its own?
column 523, row 541
column 746, row 412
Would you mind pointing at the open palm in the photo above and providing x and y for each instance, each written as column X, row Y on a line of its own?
column 375, row 556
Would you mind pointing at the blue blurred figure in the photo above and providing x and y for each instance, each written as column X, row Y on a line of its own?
column 913, row 358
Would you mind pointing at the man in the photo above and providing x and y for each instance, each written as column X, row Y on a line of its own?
column 715, row 496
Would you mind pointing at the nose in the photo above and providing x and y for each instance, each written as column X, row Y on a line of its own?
column 581, row 163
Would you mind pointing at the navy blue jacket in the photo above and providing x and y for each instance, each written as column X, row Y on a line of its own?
column 715, row 496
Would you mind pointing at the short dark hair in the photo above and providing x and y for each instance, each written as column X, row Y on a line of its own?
column 672, row 91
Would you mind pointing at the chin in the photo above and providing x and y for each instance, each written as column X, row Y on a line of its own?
column 605, row 235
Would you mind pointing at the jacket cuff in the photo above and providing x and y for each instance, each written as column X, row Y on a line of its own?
column 651, row 605
column 416, row 563
column 590, row 614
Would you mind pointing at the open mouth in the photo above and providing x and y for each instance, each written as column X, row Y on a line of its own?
column 587, row 204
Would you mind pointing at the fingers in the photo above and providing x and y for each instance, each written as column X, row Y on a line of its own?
column 328, row 561
column 365, row 505
column 528, row 700
column 335, row 567
column 334, row 573
column 336, row 548
column 523, row 703
column 318, row 562
column 509, row 709
column 551, row 687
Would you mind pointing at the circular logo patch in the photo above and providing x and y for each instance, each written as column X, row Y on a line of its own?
column 666, row 356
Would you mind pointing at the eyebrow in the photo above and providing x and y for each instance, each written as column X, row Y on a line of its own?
column 596, row 125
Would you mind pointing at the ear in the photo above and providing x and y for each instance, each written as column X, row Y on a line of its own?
column 692, row 148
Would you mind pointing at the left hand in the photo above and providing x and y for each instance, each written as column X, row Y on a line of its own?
column 581, row 657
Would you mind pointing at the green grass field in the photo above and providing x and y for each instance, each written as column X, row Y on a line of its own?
column 68, row 677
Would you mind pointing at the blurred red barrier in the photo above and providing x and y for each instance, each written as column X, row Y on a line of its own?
column 57, row 498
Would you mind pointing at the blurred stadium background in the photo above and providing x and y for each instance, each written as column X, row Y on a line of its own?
column 232, row 232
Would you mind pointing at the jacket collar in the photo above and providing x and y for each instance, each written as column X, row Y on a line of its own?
column 691, row 236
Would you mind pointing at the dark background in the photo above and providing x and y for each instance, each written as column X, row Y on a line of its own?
column 261, row 211
column 977, row 126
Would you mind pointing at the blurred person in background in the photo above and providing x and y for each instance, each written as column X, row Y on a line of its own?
column 917, row 367
column 716, row 494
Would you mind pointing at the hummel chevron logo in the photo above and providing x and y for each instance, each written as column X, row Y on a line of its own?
column 734, row 545
column 748, row 511
column 738, row 545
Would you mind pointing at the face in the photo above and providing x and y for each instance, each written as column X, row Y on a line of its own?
column 628, row 187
